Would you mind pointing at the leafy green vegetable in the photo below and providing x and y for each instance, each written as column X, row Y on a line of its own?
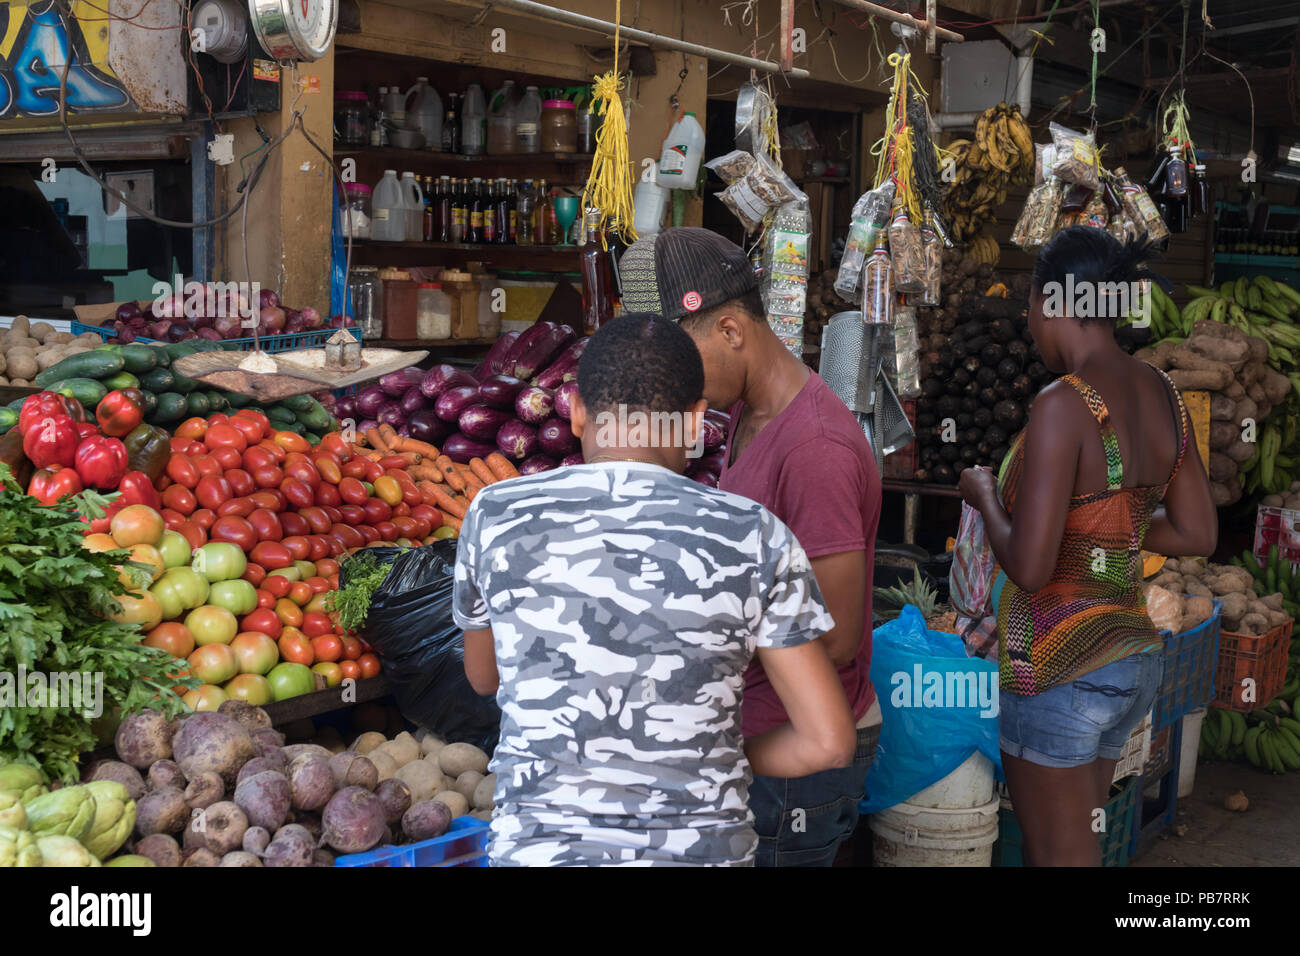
column 364, row 575
column 56, row 602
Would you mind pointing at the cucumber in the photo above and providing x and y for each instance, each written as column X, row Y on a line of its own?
column 315, row 417
column 160, row 356
column 182, row 384
column 196, row 404
column 121, row 380
column 8, row 419
column 85, row 390
column 237, row 400
column 97, row 363
column 299, row 403
column 171, row 407
column 278, row 413
column 216, row 400
column 17, row 403
column 175, row 350
column 158, row 380
column 295, row 427
column 312, row 438
column 138, row 358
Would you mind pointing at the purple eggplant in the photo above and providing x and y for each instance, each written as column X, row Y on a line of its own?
column 713, row 461
column 425, row 425
column 461, row 449
column 517, row 440
column 346, row 407
column 496, row 355
column 713, row 434
column 499, row 391
column 557, row 438
column 537, row 463
column 720, row 418
column 454, row 401
column 542, row 350
column 392, row 414
column 535, row 404
column 517, row 348
column 564, row 396
column 440, row 378
column 369, row 401
column 413, row 400
column 366, row 424
column 481, row 423
column 575, row 459
column 565, row 366
column 396, row 383
column 707, row 478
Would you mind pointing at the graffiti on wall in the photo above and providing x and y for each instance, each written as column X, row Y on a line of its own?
column 37, row 40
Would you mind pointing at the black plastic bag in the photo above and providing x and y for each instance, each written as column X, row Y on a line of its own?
column 421, row 649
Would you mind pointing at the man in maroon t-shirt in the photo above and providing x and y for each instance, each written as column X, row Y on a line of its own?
column 795, row 448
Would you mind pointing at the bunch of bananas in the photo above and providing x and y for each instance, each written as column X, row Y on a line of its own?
column 1271, row 742
column 1259, row 306
column 984, row 249
column 1001, row 155
column 1166, row 318
column 1274, row 465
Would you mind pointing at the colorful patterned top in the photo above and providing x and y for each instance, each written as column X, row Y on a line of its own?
column 1092, row 611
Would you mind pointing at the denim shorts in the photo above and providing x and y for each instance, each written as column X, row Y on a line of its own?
column 1083, row 720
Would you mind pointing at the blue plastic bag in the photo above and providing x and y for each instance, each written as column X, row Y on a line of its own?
column 938, row 706
column 338, row 261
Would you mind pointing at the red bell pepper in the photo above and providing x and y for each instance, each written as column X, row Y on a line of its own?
column 104, row 524
column 137, row 489
column 51, row 441
column 101, row 462
column 120, row 411
column 48, row 486
column 44, row 404
column 85, row 430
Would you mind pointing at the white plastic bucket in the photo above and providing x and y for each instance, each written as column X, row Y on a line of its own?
column 970, row 785
column 908, row 835
column 1192, row 721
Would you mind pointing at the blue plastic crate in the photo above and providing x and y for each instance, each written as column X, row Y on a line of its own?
column 1152, row 817
column 1188, row 680
column 270, row 343
column 1121, row 810
column 465, row 844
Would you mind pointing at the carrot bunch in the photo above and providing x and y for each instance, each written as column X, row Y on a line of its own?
column 451, row 485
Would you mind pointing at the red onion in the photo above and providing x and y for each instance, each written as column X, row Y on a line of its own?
column 311, row 318
column 228, row 326
column 126, row 311
column 159, row 329
column 575, row 459
column 210, row 334
column 271, row 321
column 267, row 299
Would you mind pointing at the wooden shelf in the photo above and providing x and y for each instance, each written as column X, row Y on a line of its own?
column 397, row 154
column 427, row 343
column 535, row 258
column 920, row 488
column 323, row 701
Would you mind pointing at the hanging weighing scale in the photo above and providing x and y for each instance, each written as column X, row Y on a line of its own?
column 292, row 31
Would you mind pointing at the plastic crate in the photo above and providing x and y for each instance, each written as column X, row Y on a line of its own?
column 465, row 844
column 1115, row 842
column 1161, row 757
column 1277, row 526
column 1188, row 681
column 1262, row 658
column 313, row 339
column 1153, row 815
column 1136, row 750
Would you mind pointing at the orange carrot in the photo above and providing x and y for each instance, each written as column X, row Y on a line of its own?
column 500, row 466
column 402, row 443
column 426, row 471
column 449, row 521
column 427, row 489
column 482, row 471
column 376, row 439
column 389, row 435
column 450, row 473
column 449, row 505
column 473, row 486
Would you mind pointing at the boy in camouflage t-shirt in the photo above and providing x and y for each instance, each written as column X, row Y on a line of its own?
column 613, row 607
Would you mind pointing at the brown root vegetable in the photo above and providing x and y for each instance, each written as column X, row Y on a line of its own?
column 222, row 827
column 267, row 740
column 1241, row 451
column 1193, row 587
column 1171, row 580
column 456, row 802
column 1246, row 409
column 291, row 846
column 395, row 796
column 249, row 716
column 455, row 759
column 1221, row 467
column 322, row 857
column 422, row 777
column 265, row 797
column 310, row 822
column 1229, row 352
column 426, row 820
column 256, row 840
column 1253, row 624
column 1197, row 608
column 166, row 773
column 240, row 858
column 485, row 792
column 467, row 783
column 204, row 790
column 264, row 764
column 1223, row 434
column 311, row 782
column 1235, row 391
column 368, row 742
column 118, row 772
column 350, row 769
column 385, row 765
column 161, row 848
column 1234, row 608
column 353, row 820
column 212, row 741
column 1202, row 379
column 1276, row 386
column 201, row 856
column 142, row 738
column 1237, row 802
column 1273, row 601
column 161, row 811
column 294, row 751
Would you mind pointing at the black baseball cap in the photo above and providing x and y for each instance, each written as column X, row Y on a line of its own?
column 683, row 270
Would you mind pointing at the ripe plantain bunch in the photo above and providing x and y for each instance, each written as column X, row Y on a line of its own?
column 1001, row 155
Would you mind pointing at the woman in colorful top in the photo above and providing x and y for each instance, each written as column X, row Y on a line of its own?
column 1107, row 466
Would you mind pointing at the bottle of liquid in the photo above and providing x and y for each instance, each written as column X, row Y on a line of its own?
column 475, row 233
column 1176, row 174
column 388, row 222
column 395, row 106
column 378, row 132
column 597, row 277
column 524, row 203
column 503, row 211
column 459, row 211
column 451, row 125
column 473, row 116
column 542, row 212
column 430, row 209
column 491, row 232
column 444, row 210
column 870, row 215
column 512, row 209
column 527, row 118
column 878, row 285
column 554, row 234
column 905, row 253
column 679, row 163
column 932, row 250
column 413, row 200
column 501, row 119
column 424, row 112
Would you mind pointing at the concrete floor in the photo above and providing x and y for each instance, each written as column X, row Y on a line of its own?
column 1205, row 834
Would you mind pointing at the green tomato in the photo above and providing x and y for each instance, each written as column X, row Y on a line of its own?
column 292, row 573
column 175, row 549
column 180, row 590
column 291, row 680
column 219, row 561
column 238, row 596
column 306, row 569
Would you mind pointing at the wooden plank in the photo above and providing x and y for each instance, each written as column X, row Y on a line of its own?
column 787, row 35
column 1198, row 410
column 323, row 701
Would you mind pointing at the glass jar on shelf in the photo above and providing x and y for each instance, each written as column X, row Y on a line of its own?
column 366, row 293
column 559, row 127
column 432, row 312
column 356, row 212
column 352, row 117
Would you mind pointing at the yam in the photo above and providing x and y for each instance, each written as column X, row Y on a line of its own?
column 143, row 738
column 222, row 827
column 455, row 759
column 212, row 741
column 161, row 811
column 1246, row 409
column 1277, row 618
column 1230, row 579
column 467, row 783
column 1170, row 580
column 1258, row 346
column 1223, row 434
column 1276, row 386
column 485, row 792
column 368, row 742
column 1291, row 502
column 456, row 802
column 1256, row 391
column 1164, row 608
column 1253, row 624
column 1232, row 353
column 423, row 779
column 1209, row 380
column 1199, row 608
column 1241, row 451
column 1218, row 330
column 1235, row 391
column 161, row 848
column 385, row 765
column 1273, row 501
column 1192, row 587
column 1222, row 408
column 1273, row 601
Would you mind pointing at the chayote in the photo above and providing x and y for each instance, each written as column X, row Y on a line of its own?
column 113, row 820
column 12, row 813
column 26, row 779
column 65, row 812
column 59, row 850
column 18, row 848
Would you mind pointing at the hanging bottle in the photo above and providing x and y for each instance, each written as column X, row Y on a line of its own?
column 878, row 285
column 1176, row 174
column 905, row 252
column 932, row 250
column 597, row 277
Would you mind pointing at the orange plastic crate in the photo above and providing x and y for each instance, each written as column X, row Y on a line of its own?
column 1262, row 659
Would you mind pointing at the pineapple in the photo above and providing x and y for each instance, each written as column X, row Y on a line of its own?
column 938, row 617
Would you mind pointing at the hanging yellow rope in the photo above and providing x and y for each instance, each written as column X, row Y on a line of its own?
column 1174, row 129
column 609, row 187
column 893, row 151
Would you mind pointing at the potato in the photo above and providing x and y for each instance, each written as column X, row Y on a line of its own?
column 1198, row 609
column 402, row 748
column 90, row 338
column 485, row 792
column 21, row 381
column 20, row 325
column 422, row 778
column 60, row 338
column 455, row 759
column 384, row 763
column 431, row 746
column 483, row 815
column 467, row 783
column 4, row 380
column 43, row 330
column 455, row 802
column 45, row 359
column 368, row 742
column 22, row 367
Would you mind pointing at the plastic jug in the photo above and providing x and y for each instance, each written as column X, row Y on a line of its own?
column 528, row 116
column 472, row 117
column 424, row 112
column 501, row 119
column 649, row 203
column 413, row 203
column 679, row 163
column 394, row 102
column 388, row 210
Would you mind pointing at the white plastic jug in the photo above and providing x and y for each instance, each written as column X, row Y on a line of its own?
column 395, row 106
column 501, row 119
column 473, row 113
column 413, row 202
column 649, row 203
column 528, row 117
column 679, row 163
column 425, row 112
column 388, row 210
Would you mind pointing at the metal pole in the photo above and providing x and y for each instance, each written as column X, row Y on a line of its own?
column 904, row 18
column 651, row 39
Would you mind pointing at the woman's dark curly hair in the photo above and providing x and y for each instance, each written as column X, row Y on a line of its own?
column 1092, row 256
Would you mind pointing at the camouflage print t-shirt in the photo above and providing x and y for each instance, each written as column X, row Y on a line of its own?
column 625, row 603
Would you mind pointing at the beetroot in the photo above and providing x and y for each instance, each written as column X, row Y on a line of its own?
column 265, row 798
column 311, row 782
column 211, row 741
column 239, row 858
column 353, row 820
column 292, row 846
column 256, row 840
column 119, row 772
column 260, row 765
column 426, row 820
column 251, row 718
column 310, row 822
column 396, row 798
column 222, row 827
column 161, row 811
column 204, row 790
column 350, row 769
column 143, row 738
column 161, row 848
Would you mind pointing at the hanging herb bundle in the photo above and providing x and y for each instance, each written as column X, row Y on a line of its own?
column 57, row 601
column 609, row 186
column 925, row 155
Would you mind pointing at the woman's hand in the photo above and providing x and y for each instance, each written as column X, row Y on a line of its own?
column 978, row 487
